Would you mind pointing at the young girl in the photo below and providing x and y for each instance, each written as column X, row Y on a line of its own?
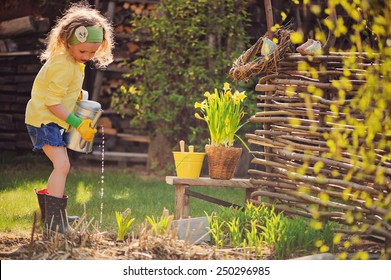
column 82, row 34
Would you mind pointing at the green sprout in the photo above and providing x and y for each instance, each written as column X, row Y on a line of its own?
column 124, row 222
column 159, row 225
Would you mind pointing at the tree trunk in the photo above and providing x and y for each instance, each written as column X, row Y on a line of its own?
column 160, row 154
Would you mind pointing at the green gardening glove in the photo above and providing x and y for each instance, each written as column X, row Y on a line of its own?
column 83, row 127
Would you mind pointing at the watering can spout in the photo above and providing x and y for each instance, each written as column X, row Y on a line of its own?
column 94, row 122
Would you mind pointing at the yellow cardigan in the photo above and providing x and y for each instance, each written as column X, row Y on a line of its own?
column 58, row 82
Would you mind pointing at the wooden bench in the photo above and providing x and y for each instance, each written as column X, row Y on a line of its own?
column 123, row 157
column 119, row 156
column 183, row 192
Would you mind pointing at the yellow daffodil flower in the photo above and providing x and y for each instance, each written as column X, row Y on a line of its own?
column 198, row 116
column 198, row 105
column 222, row 112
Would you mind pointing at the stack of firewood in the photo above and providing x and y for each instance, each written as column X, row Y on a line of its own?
column 22, row 34
column 292, row 174
column 21, row 38
column 124, row 13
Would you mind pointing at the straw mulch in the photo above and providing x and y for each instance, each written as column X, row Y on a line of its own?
column 100, row 247
column 19, row 246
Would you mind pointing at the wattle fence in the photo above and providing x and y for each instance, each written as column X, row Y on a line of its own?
column 291, row 170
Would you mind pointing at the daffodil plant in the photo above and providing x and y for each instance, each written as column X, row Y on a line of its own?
column 223, row 112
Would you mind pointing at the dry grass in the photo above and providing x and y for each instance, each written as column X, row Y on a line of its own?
column 84, row 245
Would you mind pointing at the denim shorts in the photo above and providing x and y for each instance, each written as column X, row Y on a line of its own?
column 49, row 134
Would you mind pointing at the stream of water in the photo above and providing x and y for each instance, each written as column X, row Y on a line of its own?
column 102, row 178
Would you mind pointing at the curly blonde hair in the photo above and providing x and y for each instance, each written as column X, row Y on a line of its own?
column 80, row 14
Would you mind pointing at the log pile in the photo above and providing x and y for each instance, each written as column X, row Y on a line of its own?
column 22, row 34
column 128, row 43
column 17, row 74
column 21, row 38
column 291, row 142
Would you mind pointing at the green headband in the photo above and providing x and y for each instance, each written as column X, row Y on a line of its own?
column 86, row 34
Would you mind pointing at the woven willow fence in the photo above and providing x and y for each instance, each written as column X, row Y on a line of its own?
column 293, row 122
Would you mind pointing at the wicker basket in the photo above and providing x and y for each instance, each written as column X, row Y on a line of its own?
column 251, row 63
column 222, row 161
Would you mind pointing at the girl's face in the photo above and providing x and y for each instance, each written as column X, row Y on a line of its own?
column 84, row 51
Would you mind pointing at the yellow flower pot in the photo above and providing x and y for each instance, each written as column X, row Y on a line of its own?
column 188, row 165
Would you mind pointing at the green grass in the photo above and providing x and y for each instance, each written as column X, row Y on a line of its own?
column 145, row 196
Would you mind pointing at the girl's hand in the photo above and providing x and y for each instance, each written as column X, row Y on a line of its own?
column 86, row 131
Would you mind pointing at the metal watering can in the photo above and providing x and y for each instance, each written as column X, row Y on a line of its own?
column 85, row 109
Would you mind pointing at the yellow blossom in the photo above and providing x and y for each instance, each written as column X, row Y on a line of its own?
column 198, row 116
column 132, row 90
column 239, row 96
column 198, row 105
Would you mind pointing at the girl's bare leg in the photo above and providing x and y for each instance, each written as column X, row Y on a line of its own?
column 61, row 167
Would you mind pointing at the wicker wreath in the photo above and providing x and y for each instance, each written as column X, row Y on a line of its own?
column 243, row 68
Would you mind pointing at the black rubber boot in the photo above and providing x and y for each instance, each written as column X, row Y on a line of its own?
column 41, row 201
column 56, row 214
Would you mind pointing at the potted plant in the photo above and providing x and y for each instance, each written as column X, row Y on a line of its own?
column 223, row 112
